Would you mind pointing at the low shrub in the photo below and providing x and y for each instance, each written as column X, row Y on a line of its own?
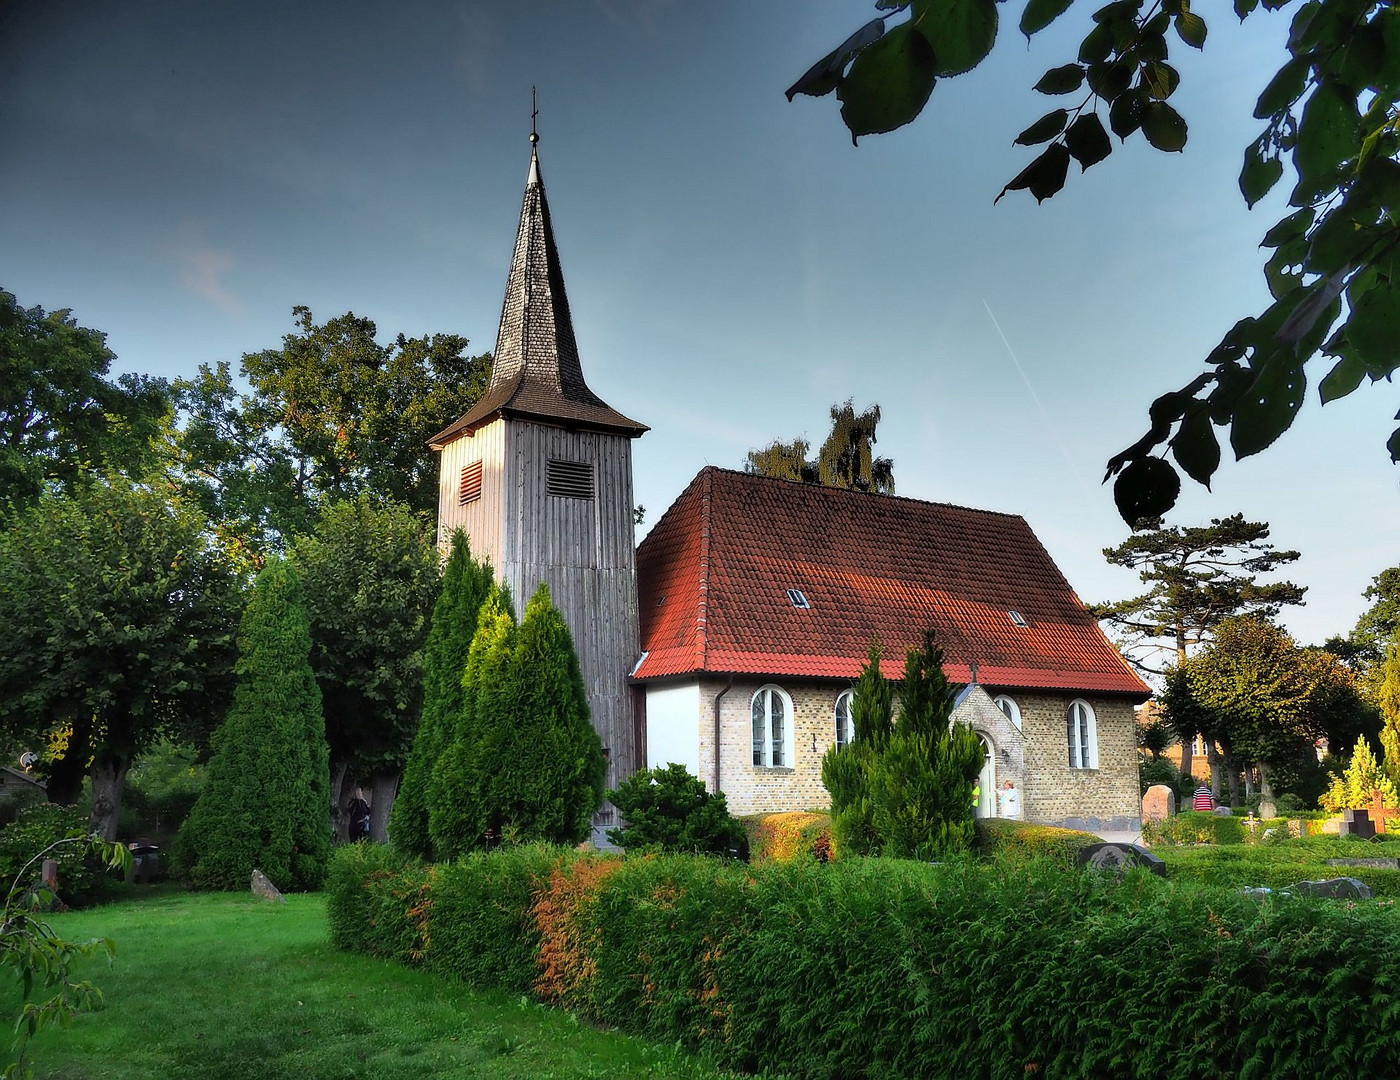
column 1282, row 863
column 796, row 834
column 889, row 968
column 82, row 874
column 667, row 809
column 377, row 900
column 1194, row 827
column 1000, row 839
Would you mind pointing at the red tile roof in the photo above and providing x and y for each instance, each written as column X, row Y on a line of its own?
column 713, row 576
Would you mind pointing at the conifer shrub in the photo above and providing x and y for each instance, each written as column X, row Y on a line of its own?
column 457, row 818
column 795, row 834
column 376, row 902
column 266, row 798
column 667, row 809
column 465, row 586
column 892, row 968
column 1001, row 839
column 482, row 928
column 539, row 763
column 848, row 773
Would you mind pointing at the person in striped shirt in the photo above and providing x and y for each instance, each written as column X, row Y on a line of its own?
column 1203, row 799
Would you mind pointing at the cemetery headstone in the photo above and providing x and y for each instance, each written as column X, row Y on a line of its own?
column 1342, row 888
column 1159, row 803
column 1117, row 859
column 264, row 888
column 1268, row 808
column 1224, row 811
column 1358, row 823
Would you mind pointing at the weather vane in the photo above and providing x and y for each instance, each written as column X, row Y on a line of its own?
column 534, row 112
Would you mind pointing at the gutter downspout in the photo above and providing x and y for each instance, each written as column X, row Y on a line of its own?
column 727, row 687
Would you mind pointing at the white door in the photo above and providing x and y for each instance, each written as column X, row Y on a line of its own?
column 987, row 805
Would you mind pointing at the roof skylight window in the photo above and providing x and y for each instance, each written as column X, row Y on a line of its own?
column 798, row 599
column 1018, row 618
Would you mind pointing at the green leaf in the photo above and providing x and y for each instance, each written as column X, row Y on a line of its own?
column 1041, row 13
column 1290, row 228
column 825, row 75
column 1196, row 448
column 1372, row 328
column 1259, row 174
column 1044, row 129
column 1284, row 88
column 1342, row 379
column 1110, row 81
column 1268, row 407
column 1044, row 176
column 961, row 32
column 1163, row 126
column 1336, row 242
column 1281, row 281
column 1160, row 79
column 1244, row 7
column 1328, row 134
column 1146, row 488
column 1393, row 445
column 1096, row 45
column 1191, row 28
column 1088, row 141
column 1125, row 114
column 1061, row 80
column 888, row 84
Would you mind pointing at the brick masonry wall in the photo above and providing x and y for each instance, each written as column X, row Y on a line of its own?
column 1052, row 792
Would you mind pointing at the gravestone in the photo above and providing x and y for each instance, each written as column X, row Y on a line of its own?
column 264, row 888
column 1268, row 808
column 1117, row 859
column 1358, row 823
column 1224, row 811
column 1159, row 803
column 1342, row 888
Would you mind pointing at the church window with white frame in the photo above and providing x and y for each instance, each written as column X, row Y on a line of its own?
column 1081, row 731
column 1009, row 707
column 771, row 711
column 845, row 722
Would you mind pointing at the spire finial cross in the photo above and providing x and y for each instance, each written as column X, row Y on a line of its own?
column 534, row 112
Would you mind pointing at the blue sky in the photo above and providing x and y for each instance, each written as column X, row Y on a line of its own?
column 181, row 174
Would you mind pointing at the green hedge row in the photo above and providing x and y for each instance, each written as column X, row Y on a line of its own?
column 1277, row 866
column 883, row 968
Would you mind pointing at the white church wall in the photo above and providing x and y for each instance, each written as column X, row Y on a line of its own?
column 673, row 726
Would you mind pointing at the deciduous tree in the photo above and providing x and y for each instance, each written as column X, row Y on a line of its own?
column 845, row 460
column 1330, row 113
column 119, row 615
column 370, row 575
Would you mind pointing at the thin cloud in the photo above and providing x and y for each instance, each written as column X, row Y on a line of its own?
column 203, row 268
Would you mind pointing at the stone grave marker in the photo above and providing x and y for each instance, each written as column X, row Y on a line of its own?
column 1358, row 823
column 1342, row 888
column 1117, row 859
column 1159, row 803
column 263, row 887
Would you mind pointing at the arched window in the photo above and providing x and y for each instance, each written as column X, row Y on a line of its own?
column 1081, row 730
column 845, row 725
column 771, row 710
column 1010, row 708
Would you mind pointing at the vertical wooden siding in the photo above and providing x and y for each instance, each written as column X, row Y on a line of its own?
column 482, row 519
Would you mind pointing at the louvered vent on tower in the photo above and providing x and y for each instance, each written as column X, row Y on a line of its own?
column 470, row 490
column 569, row 479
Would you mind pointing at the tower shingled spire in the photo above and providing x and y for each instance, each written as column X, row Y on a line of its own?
column 536, row 371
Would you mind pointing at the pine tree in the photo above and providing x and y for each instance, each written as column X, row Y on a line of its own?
column 465, row 586
column 1358, row 786
column 266, row 802
column 540, row 762
column 456, row 819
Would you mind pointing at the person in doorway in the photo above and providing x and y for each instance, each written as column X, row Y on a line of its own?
column 1203, row 799
column 1010, row 800
column 358, row 810
column 976, row 795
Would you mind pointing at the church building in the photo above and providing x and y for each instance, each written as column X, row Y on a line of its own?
column 729, row 640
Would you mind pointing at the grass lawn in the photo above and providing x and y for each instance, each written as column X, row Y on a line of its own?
column 228, row 986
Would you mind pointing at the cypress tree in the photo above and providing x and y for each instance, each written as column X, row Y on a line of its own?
column 465, row 586
column 848, row 772
column 266, row 802
column 456, row 818
column 540, row 760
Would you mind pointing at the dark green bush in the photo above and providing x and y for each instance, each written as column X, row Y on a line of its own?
column 667, row 809
column 82, row 874
column 1156, row 771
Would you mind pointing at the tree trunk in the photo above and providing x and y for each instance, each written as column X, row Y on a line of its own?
column 1232, row 774
column 108, row 784
column 1217, row 771
column 385, row 787
column 340, row 823
column 1186, row 757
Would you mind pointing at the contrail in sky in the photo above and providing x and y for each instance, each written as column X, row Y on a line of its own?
column 1044, row 416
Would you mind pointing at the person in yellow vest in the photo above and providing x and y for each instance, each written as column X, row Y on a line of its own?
column 976, row 795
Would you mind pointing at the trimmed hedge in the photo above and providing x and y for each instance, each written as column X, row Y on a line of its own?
column 878, row 967
column 1194, row 827
column 792, row 835
column 1277, row 866
column 1002, row 839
